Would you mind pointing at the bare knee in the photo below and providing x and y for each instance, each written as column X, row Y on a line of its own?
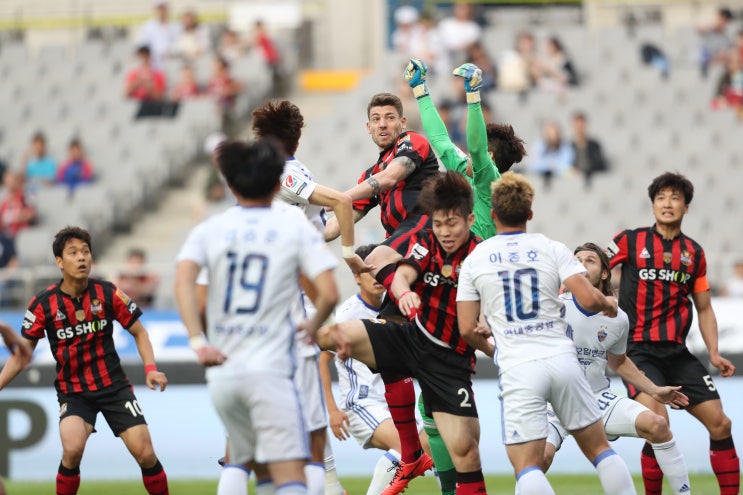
column 144, row 455
column 324, row 338
column 653, row 427
column 722, row 428
column 72, row 453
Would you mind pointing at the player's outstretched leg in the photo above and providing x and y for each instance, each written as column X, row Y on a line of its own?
column 613, row 473
column 332, row 483
column 441, row 458
column 654, row 428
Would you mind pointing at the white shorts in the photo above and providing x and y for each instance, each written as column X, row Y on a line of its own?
column 307, row 380
column 262, row 416
column 526, row 389
column 364, row 416
column 619, row 414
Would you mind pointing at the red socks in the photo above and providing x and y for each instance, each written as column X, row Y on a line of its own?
column 471, row 483
column 400, row 395
column 652, row 475
column 68, row 480
column 726, row 465
column 154, row 479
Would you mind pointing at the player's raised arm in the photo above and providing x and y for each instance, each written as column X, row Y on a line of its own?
column 407, row 300
column 589, row 297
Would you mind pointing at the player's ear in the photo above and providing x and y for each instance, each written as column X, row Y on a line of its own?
column 470, row 220
column 404, row 122
column 59, row 262
column 531, row 215
column 368, row 128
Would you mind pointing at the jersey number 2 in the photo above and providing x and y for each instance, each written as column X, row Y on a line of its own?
column 513, row 293
column 251, row 277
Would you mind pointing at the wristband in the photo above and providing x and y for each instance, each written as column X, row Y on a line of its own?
column 197, row 342
column 404, row 294
column 473, row 97
column 148, row 368
column 348, row 252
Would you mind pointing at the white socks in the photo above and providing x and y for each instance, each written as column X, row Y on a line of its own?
column 613, row 473
column 384, row 471
column 315, row 474
column 233, row 480
column 673, row 465
column 532, row 481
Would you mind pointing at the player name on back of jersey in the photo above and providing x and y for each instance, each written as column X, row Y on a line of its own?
column 529, row 329
column 238, row 329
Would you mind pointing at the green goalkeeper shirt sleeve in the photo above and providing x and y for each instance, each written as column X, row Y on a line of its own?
column 452, row 157
column 484, row 171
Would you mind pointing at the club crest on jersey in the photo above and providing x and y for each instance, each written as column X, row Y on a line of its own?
column 95, row 306
column 667, row 257
column 446, row 270
column 60, row 316
column 601, row 334
column 363, row 391
column 685, row 257
column 294, row 184
column 644, row 253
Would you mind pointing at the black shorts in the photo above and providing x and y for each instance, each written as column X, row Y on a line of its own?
column 443, row 375
column 119, row 408
column 668, row 363
column 400, row 238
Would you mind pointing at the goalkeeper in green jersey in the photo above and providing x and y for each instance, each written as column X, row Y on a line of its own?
column 493, row 148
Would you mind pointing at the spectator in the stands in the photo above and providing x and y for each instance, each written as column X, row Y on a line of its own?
column 39, row 168
column 138, row 280
column 225, row 89
column 426, row 44
column 8, row 268
column 186, row 87
column 76, row 169
column 194, row 39
column 16, row 212
column 734, row 285
column 715, row 41
column 729, row 92
column 145, row 82
column 406, row 22
column 231, row 46
column 552, row 155
column 459, row 31
column 159, row 34
column 517, row 67
column 269, row 51
column 554, row 70
column 588, row 156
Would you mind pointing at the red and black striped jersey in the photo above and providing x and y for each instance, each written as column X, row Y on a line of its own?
column 658, row 278
column 400, row 201
column 436, row 285
column 80, row 333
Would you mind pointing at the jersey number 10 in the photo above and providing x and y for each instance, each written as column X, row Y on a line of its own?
column 513, row 293
column 250, row 280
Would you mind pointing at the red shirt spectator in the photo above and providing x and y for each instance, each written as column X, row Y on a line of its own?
column 144, row 82
column 15, row 212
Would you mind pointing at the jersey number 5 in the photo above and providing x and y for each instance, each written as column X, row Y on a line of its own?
column 514, row 291
column 250, row 280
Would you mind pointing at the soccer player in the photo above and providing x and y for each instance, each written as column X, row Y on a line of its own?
column 255, row 252
column 517, row 278
column 283, row 121
column 663, row 272
column 363, row 412
column 493, row 149
column 77, row 316
column 602, row 341
column 429, row 346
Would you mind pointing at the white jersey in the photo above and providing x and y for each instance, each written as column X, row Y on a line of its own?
column 517, row 278
column 253, row 256
column 355, row 380
column 297, row 185
column 594, row 335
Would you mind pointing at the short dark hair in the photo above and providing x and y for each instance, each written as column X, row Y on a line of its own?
column 448, row 191
column 282, row 120
column 38, row 136
column 726, row 13
column 606, row 287
column 674, row 181
column 76, row 142
column 137, row 252
column 67, row 233
column 143, row 50
column 365, row 250
column 506, row 146
column 384, row 100
column 251, row 170
column 578, row 114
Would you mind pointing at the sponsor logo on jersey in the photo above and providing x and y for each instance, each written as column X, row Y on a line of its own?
column 418, row 252
column 363, row 391
column 81, row 329
column 62, row 409
column 122, row 295
column 664, row 275
column 434, row 279
column 612, row 250
column 685, row 257
column 96, row 306
column 644, row 253
column 294, row 184
column 60, row 316
column 28, row 319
